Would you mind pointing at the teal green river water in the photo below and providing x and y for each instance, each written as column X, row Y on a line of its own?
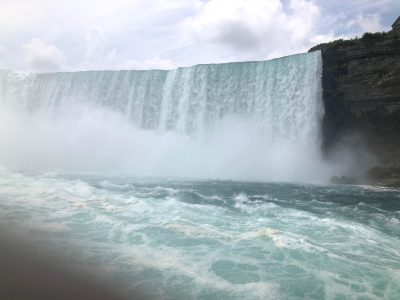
column 185, row 239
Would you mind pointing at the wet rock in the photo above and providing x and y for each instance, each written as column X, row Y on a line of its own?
column 361, row 91
column 388, row 175
column 342, row 180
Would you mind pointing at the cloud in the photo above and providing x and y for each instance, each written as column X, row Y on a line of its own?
column 87, row 32
column 102, row 34
column 95, row 41
column 233, row 22
column 43, row 57
column 3, row 53
column 256, row 27
column 367, row 22
column 148, row 64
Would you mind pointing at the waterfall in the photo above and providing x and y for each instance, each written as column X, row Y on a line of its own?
column 282, row 95
column 281, row 98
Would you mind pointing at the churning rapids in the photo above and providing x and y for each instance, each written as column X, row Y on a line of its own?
column 217, row 239
column 173, row 181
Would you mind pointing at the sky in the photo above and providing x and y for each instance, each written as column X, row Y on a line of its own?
column 72, row 35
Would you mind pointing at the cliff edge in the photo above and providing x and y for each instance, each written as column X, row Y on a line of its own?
column 361, row 94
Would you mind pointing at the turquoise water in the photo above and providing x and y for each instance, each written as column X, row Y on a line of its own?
column 187, row 239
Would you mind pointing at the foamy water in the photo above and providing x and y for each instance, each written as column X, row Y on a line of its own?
column 183, row 239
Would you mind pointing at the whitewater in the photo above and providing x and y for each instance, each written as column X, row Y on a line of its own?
column 247, row 121
column 205, row 182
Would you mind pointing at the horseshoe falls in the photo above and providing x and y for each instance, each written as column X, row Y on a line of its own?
column 196, row 183
column 247, row 121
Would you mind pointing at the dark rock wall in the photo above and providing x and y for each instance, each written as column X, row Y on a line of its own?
column 361, row 92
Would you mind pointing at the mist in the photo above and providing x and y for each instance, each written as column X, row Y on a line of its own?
column 89, row 139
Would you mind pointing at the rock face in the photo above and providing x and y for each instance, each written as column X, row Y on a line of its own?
column 361, row 92
column 385, row 175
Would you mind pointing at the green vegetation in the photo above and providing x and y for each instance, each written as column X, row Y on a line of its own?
column 371, row 38
column 367, row 38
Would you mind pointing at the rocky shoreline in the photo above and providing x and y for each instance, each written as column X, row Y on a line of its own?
column 382, row 175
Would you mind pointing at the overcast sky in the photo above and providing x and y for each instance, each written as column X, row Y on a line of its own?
column 70, row 35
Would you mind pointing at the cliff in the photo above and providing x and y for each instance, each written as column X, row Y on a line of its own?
column 361, row 94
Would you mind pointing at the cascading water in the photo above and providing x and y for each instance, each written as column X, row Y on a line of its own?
column 251, row 120
column 282, row 95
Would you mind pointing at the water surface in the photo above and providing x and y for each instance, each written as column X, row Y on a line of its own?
column 187, row 239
